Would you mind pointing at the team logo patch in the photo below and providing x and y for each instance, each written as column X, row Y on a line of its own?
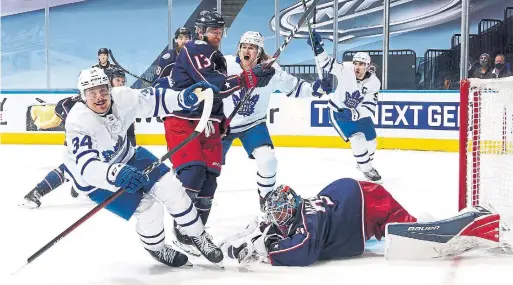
column 248, row 108
column 108, row 155
column 166, row 56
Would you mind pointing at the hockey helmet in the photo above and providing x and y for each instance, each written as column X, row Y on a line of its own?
column 90, row 78
column 103, row 51
column 209, row 19
column 362, row 57
column 281, row 205
column 183, row 31
column 254, row 38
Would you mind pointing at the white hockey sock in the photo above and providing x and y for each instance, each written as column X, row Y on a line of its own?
column 360, row 152
column 266, row 169
column 371, row 148
column 170, row 192
column 150, row 223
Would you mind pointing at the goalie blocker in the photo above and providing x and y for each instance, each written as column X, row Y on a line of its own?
column 473, row 228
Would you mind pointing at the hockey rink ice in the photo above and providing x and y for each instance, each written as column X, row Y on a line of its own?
column 106, row 250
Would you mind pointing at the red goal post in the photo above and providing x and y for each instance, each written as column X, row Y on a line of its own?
column 486, row 145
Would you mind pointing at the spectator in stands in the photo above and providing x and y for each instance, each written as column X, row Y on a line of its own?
column 485, row 69
column 103, row 60
column 500, row 70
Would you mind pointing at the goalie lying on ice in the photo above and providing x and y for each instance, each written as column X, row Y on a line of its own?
column 337, row 222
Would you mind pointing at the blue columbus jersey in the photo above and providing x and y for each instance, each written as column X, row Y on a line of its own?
column 328, row 226
column 199, row 61
column 165, row 64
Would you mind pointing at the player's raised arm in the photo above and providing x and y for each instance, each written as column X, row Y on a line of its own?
column 327, row 63
column 295, row 87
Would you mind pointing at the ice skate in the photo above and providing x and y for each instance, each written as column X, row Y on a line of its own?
column 208, row 249
column 184, row 242
column 31, row 200
column 170, row 257
column 372, row 175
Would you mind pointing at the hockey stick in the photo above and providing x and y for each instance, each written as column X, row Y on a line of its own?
column 319, row 70
column 269, row 63
column 126, row 71
column 207, row 96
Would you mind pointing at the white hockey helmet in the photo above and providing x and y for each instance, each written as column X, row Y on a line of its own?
column 254, row 38
column 90, row 78
column 362, row 57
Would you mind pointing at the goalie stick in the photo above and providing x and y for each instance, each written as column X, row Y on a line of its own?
column 207, row 96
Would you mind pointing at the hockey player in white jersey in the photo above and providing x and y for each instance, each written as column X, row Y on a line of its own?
column 353, row 104
column 99, row 160
column 249, row 124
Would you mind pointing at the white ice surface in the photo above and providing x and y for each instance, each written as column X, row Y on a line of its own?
column 106, row 249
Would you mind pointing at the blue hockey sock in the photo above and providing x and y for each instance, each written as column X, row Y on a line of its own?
column 52, row 180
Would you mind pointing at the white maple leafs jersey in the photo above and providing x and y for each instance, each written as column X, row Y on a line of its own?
column 347, row 83
column 254, row 111
column 94, row 142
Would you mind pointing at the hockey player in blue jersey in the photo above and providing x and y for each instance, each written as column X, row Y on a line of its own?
column 353, row 105
column 337, row 222
column 56, row 177
column 249, row 124
column 198, row 164
column 167, row 60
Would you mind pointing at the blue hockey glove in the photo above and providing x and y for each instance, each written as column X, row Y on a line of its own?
column 127, row 177
column 325, row 85
column 189, row 100
column 346, row 115
column 317, row 43
column 353, row 99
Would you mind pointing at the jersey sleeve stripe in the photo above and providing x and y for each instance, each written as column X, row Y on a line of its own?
column 80, row 187
column 157, row 102
column 80, row 155
column 91, row 159
column 164, row 102
column 298, row 89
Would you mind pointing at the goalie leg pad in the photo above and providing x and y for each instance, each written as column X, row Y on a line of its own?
column 467, row 231
column 380, row 209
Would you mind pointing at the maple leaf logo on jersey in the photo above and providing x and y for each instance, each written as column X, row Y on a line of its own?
column 353, row 99
column 109, row 154
column 248, row 108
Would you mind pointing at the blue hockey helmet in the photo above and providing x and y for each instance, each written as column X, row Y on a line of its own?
column 281, row 205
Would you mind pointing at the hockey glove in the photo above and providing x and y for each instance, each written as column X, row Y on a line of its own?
column 224, row 128
column 317, row 43
column 257, row 77
column 321, row 87
column 127, row 177
column 346, row 115
column 188, row 100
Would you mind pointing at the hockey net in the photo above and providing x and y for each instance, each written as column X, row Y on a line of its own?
column 486, row 146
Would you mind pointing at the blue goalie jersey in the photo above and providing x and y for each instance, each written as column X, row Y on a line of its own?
column 328, row 226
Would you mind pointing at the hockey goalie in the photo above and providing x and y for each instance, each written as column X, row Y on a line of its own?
column 346, row 213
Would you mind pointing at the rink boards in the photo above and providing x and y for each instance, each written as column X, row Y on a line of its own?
column 409, row 120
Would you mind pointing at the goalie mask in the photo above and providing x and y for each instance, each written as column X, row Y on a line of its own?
column 281, row 206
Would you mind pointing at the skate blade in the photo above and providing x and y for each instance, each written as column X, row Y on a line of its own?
column 28, row 205
column 190, row 249
column 219, row 264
